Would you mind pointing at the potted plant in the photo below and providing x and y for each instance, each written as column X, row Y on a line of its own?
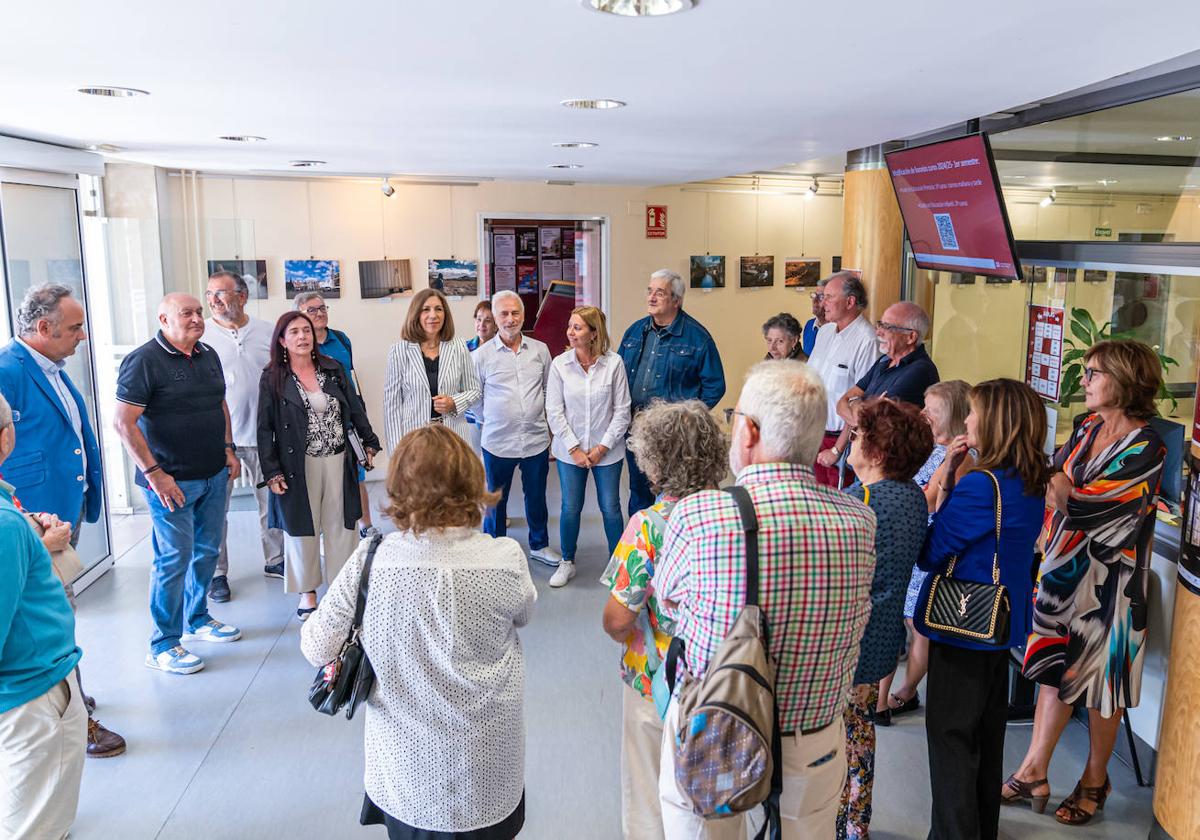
column 1087, row 334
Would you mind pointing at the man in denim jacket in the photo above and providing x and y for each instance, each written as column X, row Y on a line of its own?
column 670, row 356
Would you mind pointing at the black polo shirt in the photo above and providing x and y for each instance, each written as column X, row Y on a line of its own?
column 906, row 381
column 183, row 421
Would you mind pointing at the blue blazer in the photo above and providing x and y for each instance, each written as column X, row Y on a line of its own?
column 46, row 468
column 966, row 526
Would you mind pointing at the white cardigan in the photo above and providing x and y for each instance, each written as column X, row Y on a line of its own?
column 406, row 397
column 445, row 728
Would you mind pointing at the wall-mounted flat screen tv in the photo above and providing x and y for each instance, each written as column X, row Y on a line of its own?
column 950, row 200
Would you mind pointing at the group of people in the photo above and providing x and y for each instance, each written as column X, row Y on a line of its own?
column 869, row 478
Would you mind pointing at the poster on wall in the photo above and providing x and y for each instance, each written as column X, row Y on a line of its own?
column 551, row 271
column 568, row 271
column 254, row 272
column 1043, row 359
column 380, row 278
column 324, row 276
column 527, row 242
column 454, row 278
column 506, row 278
column 757, row 272
column 551, row 242
column 799, row 272
column 527, row 279
column 504, row 248
column 708, row 272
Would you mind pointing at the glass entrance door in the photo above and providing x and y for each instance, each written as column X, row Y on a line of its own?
column 39, row 222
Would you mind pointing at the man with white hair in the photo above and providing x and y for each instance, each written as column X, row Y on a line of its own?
column 902, row 373
column 670, row 356
column 816, row 561
column 513, row 370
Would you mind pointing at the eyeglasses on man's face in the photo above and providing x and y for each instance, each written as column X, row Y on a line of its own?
column 893, row 328
column 221, row 294
column 816, row 295
column 730, row 412
column 315, row 310
column 657, row 294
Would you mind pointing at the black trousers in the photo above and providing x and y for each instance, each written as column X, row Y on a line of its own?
column 966, row 711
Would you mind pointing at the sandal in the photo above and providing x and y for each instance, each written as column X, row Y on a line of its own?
column 1075, row 814
column 903, row 707
column 1015, row 790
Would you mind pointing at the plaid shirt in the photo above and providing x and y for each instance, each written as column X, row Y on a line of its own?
column 816, row 561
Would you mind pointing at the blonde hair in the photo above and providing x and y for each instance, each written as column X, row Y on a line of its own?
column 594, row 318
column 957, row 395
column 1010, row 429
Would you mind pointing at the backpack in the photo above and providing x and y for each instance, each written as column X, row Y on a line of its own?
column 727, row 742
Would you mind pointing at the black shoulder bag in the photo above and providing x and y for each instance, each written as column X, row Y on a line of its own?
column 964, row 609
column 348, row 678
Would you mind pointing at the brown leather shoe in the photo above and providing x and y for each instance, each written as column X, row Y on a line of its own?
column 101, row 743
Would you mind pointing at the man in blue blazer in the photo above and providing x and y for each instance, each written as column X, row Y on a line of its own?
column 55, row 467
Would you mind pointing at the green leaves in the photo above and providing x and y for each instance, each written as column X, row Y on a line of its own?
column 1084, row 328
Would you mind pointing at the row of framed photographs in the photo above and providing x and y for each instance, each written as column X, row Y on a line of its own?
column 708, row 272
column 376, row 278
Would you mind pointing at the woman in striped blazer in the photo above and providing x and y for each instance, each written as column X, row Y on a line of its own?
column 430, row 376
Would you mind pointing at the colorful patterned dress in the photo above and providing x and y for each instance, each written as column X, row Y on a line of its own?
column 1089, row 622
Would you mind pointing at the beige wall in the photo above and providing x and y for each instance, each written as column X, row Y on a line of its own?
column 351, row 221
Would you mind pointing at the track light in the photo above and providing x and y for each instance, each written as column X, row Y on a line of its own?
column 1048, row 200
column 812, row 191
column 388, row 189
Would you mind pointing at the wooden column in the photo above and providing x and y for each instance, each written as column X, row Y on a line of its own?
column 873, row 233
column 1177, row 774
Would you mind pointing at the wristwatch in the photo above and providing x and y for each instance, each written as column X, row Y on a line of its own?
column 232, row 447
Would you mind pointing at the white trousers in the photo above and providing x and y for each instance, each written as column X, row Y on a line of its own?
column 641, row 746
column 271, row 538
column 814, row 771
column 42, row 745
column 302, row 567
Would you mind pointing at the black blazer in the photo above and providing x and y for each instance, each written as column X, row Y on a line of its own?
column 282, row 436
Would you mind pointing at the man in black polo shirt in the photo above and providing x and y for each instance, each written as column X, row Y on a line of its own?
column 902, row 373
column 172, row 417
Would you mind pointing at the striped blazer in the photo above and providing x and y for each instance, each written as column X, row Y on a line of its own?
column 406, row 397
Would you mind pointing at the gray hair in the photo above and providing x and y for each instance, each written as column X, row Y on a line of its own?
column 679, row 447
column 786, row 400
column 507, row 293
column 5, row 414
column 914, row 318
column 852, row 286
column 305, row 297
column 40, row 303
column 678, row 287
column 239, row 282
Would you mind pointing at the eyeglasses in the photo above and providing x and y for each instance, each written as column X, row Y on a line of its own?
column 221, row 294
column 729, row 412
column 315, row 310
column 655, row 294
column 884, row 325
column 855, row 434
column 1089, row 372
column 816, row 296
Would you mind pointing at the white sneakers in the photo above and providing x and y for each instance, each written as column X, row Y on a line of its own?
column 547, row 556
column 564, row 572
column 177, row 660
column 213, row 631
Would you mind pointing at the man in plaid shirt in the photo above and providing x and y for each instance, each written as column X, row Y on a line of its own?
column 816, row 560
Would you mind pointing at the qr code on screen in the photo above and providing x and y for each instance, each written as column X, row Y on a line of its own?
column 946, row 231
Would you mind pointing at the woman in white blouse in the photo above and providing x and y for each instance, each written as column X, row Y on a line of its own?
column 445, row 729
column 430, row 375
column 587, row 406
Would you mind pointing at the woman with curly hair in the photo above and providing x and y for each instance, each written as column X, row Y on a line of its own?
column 445, row 736
column 892, row 441
column 782, row 333
column 681, row 450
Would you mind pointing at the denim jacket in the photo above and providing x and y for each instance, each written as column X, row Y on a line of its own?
column 689, row 369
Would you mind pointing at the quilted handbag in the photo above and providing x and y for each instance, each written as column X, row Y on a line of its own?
column 966, row 609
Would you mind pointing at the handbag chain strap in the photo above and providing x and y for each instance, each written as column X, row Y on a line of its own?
column 996, row 554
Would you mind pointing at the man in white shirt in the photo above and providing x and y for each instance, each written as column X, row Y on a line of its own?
column 244, row 346
column 513, row 369
column 845, row 350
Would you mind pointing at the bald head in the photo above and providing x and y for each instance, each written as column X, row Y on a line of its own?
column 182, row 319
column 908, row 314
column 901, row 330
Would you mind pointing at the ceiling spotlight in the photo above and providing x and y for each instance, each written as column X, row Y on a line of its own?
column 593, row 104
column 306, row 163
column 1104, row 182
column 1174, row 138
column 1049, row 199
column 811, row 193
column 388, row 189
column 242, row 138
column 107, row 148
column 102, row 90
column 575, row 144
column 639, row 8
column 564, row 166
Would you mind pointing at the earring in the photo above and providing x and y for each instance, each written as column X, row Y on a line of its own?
column 285, row 355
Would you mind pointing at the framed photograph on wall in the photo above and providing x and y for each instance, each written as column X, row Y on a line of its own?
column 707, row 272
column 799, row 272
column 454, row 278
column 254, row 272
column 324, row 276
column 757, row 272
column 381, row 278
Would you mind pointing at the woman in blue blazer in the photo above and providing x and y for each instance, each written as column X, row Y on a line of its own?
column 967, row 688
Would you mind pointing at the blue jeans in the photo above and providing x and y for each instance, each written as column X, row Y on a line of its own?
column 186, row 543
column 573, row 482
column 534, row 470
column 641, row 496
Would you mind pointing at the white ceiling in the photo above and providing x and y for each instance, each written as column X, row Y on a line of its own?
column 471, row 87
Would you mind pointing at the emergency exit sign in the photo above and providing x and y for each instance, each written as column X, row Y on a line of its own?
column 1103, row 232
column 656, row 221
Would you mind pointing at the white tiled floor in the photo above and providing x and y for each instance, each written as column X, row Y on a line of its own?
column 236, row 752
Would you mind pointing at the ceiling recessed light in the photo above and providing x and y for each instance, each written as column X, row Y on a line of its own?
column 104, row 147
column 306, row 163
column 593, row 104
column 639, row 8
column 1104, row 182
column 564, row 166
column 242, row 138
column 1174, row 138
column 1015, row 177
column 102, row 90
column 576, row 144
column 1189, row 186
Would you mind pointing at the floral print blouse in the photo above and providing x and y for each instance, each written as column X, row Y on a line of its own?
column 326, row 432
